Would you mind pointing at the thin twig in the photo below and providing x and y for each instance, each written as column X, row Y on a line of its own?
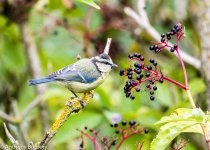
column 3, row 146
column 107, row 47
column 12, row 139
column 7, row 118
column 22, row 134
column 32, row 105
column 35, row 66
column 144, row 23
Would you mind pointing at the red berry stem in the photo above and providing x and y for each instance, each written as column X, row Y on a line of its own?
column 93, row 139
column 176, row 83
column 126, row 137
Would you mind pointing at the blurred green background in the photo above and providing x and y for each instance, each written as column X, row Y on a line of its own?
column 64, row 29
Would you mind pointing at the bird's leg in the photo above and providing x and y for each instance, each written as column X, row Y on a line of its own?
column 79, row 99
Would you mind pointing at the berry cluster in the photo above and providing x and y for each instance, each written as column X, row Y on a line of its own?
column 176, row 31
column 122, row 131
column 139, row 73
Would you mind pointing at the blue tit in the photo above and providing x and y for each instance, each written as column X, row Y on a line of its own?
column 82, row 76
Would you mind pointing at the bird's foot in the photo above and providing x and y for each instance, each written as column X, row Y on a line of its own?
column 82, row 103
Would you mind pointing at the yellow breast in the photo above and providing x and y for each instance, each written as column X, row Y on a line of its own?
column 78, row 87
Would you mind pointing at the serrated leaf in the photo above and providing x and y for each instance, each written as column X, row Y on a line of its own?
column 168, row 132
column 90, row 2
column 183, row 114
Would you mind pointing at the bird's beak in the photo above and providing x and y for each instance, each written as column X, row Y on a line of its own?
column 114, row 65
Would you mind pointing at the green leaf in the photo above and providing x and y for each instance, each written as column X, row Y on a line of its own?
column 90, row 2
column 168, row 132
column 181, row 120
column 183, row 114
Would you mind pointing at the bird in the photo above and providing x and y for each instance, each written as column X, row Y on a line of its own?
column 83, row 76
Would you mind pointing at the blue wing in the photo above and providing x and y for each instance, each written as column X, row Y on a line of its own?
column 78, row 72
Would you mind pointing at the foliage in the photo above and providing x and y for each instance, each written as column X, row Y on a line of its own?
column 61, row 33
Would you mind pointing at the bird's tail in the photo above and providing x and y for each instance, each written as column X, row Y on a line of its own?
column 39, row 81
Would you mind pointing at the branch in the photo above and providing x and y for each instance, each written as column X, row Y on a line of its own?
column 142, row 20
column 35, row 66
column 32, row 105
column 72, row 106
column 107, row 47
column 3, row 146
column 12, row 139
column 8, row 118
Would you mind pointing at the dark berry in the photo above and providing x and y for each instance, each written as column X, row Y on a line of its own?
column 178, row 29
column 111, row 125
column 141, row 75
column 168, row 37
column 172, row 49
column 132, row 97
column 173, row 30
column 123, row 123
column 162, row 40
column 146, row 131
column 156, row 46
column 148, row 86
column 91, row 130
column 138, row 89
column 176, row 26
column 161, row 80
column 121, row 72
column 152, row 47
column 130, row 77
column 138, row 71
column 152, row 60
column 157, row 50
column 115, row 125
column 117, row 131
column 149, row 67
column 138, row 78
column 155, row 63
column 129, row 73
column 154, row 88
column 81, row 145
column 152, row 98
column 172, row 33
column 151, row 92
column 114, row 142
column 85, row 128
column 130, row 56
column 136, row 65
column 137, row 55
column 147, row 74
column 132, row 122
column 142, row 58
column 175, row 46
column 139, row 66
column 168, row 34
column 128, row 94
column 129, row 69
column 162, row 35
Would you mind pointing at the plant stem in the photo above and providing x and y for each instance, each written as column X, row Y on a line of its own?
column 203, row 126
column 183, row 67
column 190, row 98
column 176, row 83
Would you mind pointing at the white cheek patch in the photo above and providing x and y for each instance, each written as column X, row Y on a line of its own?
column 103, row 68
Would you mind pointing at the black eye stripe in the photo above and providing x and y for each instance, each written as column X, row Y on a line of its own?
column 107, row 63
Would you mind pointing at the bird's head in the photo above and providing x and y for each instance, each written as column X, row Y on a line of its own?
column 104, row 63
